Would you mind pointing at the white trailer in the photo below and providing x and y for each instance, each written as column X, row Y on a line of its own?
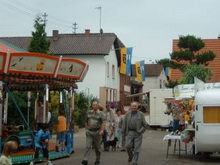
column 155, row 115
column 207, row 121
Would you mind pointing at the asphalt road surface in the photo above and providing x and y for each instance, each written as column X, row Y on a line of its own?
column 153, row 153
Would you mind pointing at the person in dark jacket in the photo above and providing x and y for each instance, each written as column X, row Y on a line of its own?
column 133, row 127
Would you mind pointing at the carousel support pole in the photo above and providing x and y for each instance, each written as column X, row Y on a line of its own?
column 5, row 116
column 70, row 137
column 61, row 97
column 1, row 109
column 28, row 107
column 46, row 99
column 36, row 109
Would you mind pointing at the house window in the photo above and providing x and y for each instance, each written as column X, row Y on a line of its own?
column 113, row 71
column 107, row 69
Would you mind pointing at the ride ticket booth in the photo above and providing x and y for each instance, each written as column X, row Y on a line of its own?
column 38, row 72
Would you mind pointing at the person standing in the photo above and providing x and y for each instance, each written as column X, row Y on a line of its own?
column 40, row 115
column 187, row 118
column 118, row 126
column 133, row 127
column 176, row 113
column 61, row 131
column 109, row 126
column 95, row 125
column 123, row 149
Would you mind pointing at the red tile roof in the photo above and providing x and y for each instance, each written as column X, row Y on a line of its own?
column 210, row 44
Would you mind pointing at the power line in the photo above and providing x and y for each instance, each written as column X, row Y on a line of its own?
column 15, row 8
column 38, row 11
column 26, row 6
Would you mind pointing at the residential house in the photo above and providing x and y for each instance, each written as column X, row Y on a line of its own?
column 100, row 51
column 155, row 79
column 210, row 45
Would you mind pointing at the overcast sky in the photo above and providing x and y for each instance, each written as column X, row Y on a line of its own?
column 149, row 26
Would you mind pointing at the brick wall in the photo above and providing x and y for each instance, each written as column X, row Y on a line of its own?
column 210, row 44
column 124, row 101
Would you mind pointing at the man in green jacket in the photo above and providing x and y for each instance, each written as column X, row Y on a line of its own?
column 95, row 125
column 133, row 127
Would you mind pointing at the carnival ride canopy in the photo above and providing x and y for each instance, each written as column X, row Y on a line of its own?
column 31, row 71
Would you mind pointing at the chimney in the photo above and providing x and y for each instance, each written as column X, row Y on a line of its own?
column 55, row 35
column 87, row 32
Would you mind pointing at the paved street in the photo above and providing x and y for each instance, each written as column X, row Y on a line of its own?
column 153, row 153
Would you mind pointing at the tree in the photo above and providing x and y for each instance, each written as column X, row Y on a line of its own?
column 21, row 103
column 193, row 70
column 82, row 105
column 39, row 43
column 190, row 55
column 171, row 84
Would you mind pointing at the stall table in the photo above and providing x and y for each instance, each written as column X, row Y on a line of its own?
column 176, row 139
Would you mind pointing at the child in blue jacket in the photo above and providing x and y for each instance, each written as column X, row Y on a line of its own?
column 41, row 142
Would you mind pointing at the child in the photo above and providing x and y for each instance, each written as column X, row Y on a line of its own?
column 187, row 117
column 61, row 130
column 9, row 148
column 41, row 144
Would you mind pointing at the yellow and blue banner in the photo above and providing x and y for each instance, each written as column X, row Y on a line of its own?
column 126, row 56
column 123, row 60
column 140, row 71
column 167, row 71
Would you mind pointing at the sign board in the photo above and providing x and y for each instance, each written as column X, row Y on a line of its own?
column 72, row 68
column 32, row 63
column 188, row 90
column 84, row 73
column 127, row 88
column 2, row 61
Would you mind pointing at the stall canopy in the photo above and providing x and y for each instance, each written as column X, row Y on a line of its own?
column 31, row 71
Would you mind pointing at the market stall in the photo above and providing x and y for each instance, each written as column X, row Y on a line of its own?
column 38, row 72
column 196, row 109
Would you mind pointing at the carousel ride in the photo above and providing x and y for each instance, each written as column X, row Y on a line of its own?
column 34, row 72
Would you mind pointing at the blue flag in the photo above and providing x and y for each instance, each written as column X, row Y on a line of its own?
column 166, row 70
column 128, row 61
column 143, row 74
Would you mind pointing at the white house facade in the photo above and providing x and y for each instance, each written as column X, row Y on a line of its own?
column 103, row 74
column 155, row 82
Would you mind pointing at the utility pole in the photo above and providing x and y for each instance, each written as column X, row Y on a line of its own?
column 74, row 28
column 45, row 19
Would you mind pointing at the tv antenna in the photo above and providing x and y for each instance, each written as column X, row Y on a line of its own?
column 100, row 18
